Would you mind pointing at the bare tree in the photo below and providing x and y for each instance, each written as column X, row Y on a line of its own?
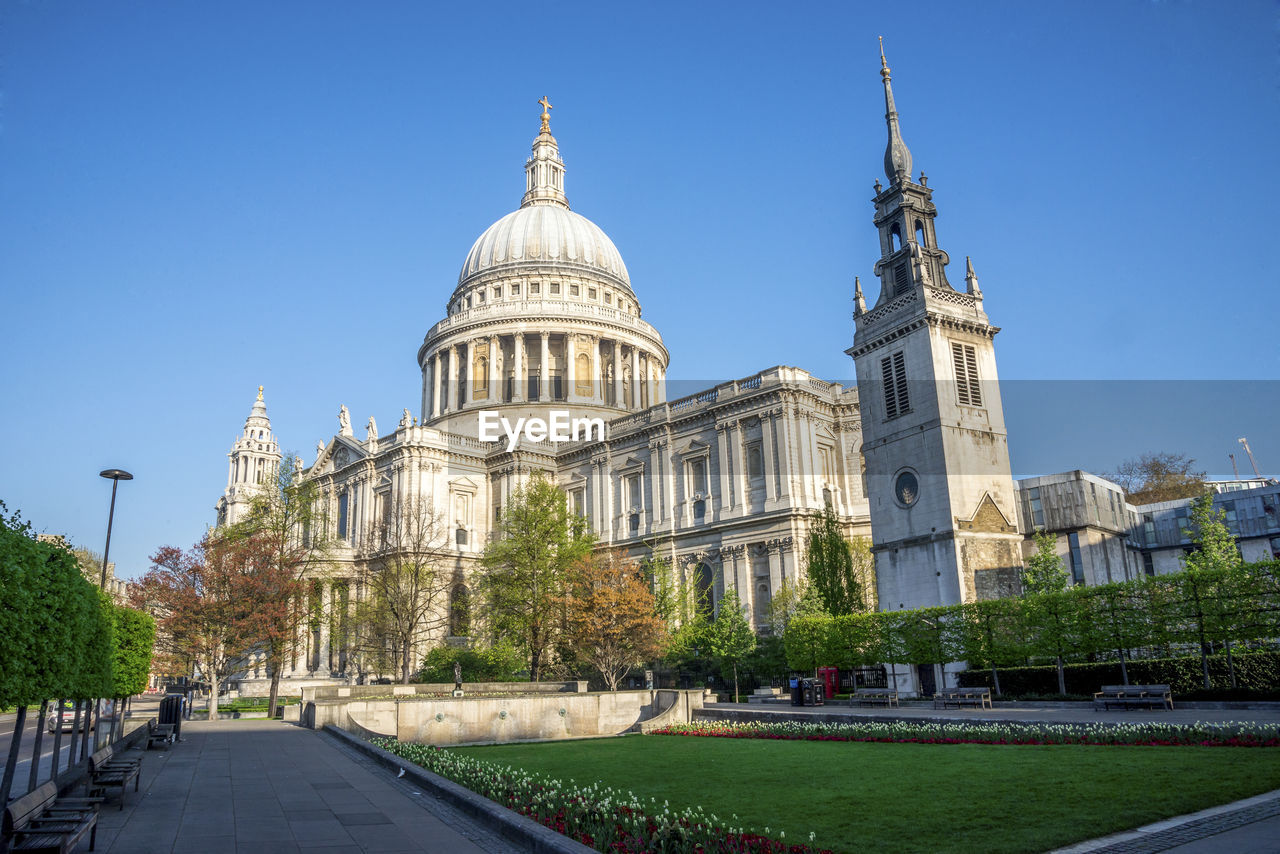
column 1158, row 477
column 282, row 521
column 406, row 583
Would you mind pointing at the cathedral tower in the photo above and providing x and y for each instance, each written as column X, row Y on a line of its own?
column 943, row 519
column 253, row 461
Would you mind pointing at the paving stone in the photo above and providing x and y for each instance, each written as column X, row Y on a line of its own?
column 277, row 793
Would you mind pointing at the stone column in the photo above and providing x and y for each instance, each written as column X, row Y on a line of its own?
column 495, row 391
column 662, row 384
column 773, row 559
column 597, row 373
column 787, row 454
column 766, row 448
column 635, row 378
column 807, row 467
column 323, row 649
column 739, row 468
column 722, row 500
column 544, row 369
column 571, row 368
column 655, row 485
column 435, row 384
column 467, row 394
column 618, row 397
column 518, row 383
column 455, row 395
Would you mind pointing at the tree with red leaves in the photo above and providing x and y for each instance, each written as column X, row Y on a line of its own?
column 201, row 600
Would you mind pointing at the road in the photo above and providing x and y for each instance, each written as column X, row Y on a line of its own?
column 143, row 706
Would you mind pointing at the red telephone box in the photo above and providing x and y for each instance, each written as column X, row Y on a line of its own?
column 830, row 677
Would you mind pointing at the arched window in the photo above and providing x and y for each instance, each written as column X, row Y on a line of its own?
column 482, row 377
column 762, row 603
column 920, row 233
column 460, row 611
column 703, row 596
column 895, row 238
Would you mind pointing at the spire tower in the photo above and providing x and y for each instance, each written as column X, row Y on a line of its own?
column 943, row 519
column 897, row 157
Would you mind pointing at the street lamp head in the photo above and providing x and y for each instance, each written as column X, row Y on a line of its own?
column 115, row 474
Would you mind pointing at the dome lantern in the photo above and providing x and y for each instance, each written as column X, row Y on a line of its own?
column 544, row 170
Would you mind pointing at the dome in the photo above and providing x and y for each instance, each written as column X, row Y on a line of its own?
column 545, row 234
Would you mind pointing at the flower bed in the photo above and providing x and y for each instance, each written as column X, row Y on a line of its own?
column 605, row 819
column 1136, row 734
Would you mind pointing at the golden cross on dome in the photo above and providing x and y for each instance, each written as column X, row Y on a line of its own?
column 546, row 114
column 259, row 392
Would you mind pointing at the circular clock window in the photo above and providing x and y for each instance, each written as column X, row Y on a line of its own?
column 906, row 488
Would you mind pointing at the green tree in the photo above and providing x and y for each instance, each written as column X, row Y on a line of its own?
column 1214, row 553
column 1213, row 546
column 483, row 664
column 730, row 638
column 806, row 639
column 839, row 571
column 135, row 635
column 794, row 598
column 1044, row 572
column 1158, row 477
column 525, row 572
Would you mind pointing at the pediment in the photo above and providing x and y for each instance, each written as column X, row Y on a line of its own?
column 463, row 484
column 693, row 448
column 986, row 519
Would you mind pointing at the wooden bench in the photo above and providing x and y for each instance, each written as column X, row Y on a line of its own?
column 874, row 697
column 980, row 697
column 1133, row 697
column 38, row 821
column 159, row 734
column 107, row 770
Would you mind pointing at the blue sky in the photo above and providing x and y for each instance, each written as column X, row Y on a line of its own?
column 199, row 198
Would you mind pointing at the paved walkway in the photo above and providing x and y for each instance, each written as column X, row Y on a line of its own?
column 266, row 786
column 263, row 786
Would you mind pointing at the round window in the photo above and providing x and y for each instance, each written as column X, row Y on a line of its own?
column 906, row 488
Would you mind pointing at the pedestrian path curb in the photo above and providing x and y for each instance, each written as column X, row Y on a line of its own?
column 520, row 831
column 1179, row 830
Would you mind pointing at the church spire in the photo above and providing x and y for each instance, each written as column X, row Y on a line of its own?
column 544, row 171
column 897, row 157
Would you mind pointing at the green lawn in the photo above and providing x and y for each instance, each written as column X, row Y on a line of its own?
column 911, row 797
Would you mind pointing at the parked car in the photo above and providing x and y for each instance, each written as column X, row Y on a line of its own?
column 68, row 716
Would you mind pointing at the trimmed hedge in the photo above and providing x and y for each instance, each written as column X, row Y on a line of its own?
column 1146, row 617
column 1256, row 673
column 58, row 632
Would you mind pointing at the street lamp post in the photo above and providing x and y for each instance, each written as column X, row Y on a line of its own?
column 115, row 476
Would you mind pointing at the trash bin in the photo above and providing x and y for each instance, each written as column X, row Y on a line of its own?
column 171, row 712
column 806, row 692
column 819, row 692
column 796, row 698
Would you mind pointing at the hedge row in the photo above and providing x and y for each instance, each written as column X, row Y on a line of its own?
column 60, row 637
column 1256, row 672
column 1189, row 610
